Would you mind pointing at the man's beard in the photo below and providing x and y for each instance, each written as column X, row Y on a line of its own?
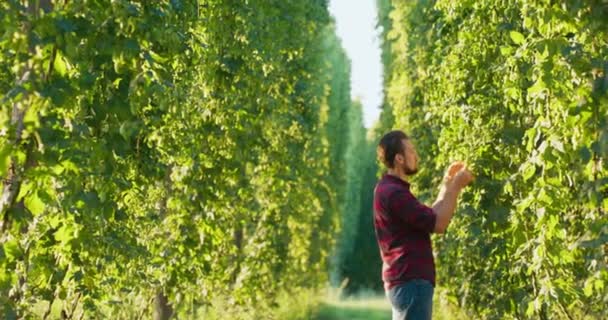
column 408, row 171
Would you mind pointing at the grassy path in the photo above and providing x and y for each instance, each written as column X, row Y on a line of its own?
column 376, row 308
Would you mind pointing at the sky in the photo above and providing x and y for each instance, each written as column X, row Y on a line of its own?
column 356, row 26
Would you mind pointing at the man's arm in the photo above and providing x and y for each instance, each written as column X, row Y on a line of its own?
column 456, row 179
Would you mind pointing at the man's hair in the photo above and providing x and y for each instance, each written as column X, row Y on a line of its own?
column 389, row 146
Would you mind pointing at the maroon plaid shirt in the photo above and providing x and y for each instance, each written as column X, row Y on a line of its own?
column 403, row 226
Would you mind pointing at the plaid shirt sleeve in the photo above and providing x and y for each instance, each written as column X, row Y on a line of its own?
column 408, row 209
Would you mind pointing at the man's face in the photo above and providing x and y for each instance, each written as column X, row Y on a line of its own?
column 409, row 160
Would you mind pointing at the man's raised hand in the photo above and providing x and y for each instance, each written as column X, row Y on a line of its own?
column 453, row 169
column 458, row 175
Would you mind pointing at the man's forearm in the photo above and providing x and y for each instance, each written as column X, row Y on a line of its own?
column 444, row 206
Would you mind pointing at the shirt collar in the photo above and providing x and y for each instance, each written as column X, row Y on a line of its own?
column 396, row 179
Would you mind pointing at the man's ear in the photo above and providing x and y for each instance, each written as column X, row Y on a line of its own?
column 399, row 158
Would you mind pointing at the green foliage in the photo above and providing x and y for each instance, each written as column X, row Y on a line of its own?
column 351, row 208
column 362, row 265
column 192, row 149
column 519, row 90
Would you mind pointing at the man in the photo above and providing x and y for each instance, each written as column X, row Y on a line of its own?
column 403, row 226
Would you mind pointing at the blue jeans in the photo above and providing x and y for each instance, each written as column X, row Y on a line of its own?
column 412, row 300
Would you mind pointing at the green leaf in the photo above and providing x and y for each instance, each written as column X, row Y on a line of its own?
column 566, row 256
column 128, row 129
column 157, row 58
column 517, row 37
column 5, row 159
column 64, row 234
column 530, row 309
column 62, row 294
column 34, row 204
column 59, row 65
column 506, row 50
column 69, row 166
column 588, row 288
column 584, row 154
column 508, row 188
column 538, row 87
column 528, row 171
column 25, row 189
column 12, row 250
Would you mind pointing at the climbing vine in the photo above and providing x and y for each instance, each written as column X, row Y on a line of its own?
column 519, row 90
column 158, row 156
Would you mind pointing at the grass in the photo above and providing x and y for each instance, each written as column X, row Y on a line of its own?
column 373, row 306
column 303, row 304
column 370, row 308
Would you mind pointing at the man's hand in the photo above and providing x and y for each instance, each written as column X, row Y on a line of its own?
column 458, row 176
column 453, row 170
column 463, row 178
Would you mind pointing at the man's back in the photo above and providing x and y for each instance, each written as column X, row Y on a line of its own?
column 403, row 226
